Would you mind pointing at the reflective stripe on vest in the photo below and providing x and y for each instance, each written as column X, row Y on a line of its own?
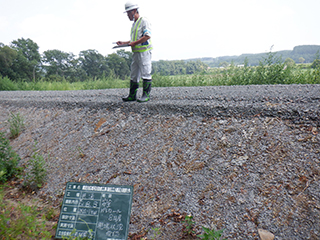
column 134, row 37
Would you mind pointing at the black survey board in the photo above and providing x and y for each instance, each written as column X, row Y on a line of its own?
column 95, row 211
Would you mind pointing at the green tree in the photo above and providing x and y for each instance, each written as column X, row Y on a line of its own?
column 301, row 60
column 161, row 67
column 119, row 65
column 93, row 63
column 7, row 58
column 178, row 67
column 75, row 72
column 57, row 62
column 224, row 64
column 316, row 64
column 61, row 64
column 289, row 62
column 126, row 55
column 27, row 60
column 191, row 67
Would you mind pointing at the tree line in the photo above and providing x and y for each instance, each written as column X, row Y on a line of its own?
column 299, row 54
column 21, row 61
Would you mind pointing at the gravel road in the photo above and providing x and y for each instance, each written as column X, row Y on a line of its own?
column 239, row 158
column 294, row 102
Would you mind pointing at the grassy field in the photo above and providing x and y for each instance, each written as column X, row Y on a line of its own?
column 263, row 74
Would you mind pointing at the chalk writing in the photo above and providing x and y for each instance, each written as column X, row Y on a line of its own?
column 88, row 211
column 68, row 217
column 102, row 209
column 87, row 203
column 71, row 201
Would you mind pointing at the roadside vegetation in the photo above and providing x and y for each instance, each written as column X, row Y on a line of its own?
column 270, row 71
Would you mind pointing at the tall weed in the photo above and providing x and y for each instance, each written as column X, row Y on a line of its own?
column 16, row 124
column 9, row 159
column 36, row 172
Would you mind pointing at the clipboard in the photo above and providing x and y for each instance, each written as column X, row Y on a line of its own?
column 121, row 46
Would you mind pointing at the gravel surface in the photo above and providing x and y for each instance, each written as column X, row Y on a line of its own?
column 239, row 158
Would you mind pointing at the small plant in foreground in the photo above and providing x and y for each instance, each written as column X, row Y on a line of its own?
column 9, row 159
column 211, row 234
column 49, row 214
column 189, row 224
column 16, row 123
column 81, row 154
column 36, row 173
column 156, row 232
column 20, row 222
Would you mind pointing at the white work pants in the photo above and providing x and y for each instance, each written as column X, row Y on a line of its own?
column 141, row 66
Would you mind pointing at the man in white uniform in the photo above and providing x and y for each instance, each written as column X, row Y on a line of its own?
column 141, row 60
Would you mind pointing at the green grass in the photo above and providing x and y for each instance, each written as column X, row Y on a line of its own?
column 20, row 221
column 232, row 75
column 103, row 83
column 42, row 85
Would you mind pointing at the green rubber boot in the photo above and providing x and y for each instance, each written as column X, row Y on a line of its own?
column 134, row 86
column 146, row 91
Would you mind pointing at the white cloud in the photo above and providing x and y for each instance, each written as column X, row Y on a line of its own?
column 180, row 29
column 42, row 23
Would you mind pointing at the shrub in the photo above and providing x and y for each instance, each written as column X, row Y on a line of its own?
column 7, row 85
column 16, row 123
column 8, row 159
column 36, row 173
column 316, row 64
column 189, row 224
column 271, row 70
column 316, row 76
column 211, row 234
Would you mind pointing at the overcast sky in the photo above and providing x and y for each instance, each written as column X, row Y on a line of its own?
column 180, row 29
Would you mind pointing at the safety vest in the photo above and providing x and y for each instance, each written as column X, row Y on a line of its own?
column 143, row 47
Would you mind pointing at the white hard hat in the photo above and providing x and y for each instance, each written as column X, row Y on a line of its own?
column 130, row 6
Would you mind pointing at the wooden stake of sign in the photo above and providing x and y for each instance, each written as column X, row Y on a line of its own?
column 95, row 211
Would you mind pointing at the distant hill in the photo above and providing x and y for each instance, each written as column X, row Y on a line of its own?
column 308, row 52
